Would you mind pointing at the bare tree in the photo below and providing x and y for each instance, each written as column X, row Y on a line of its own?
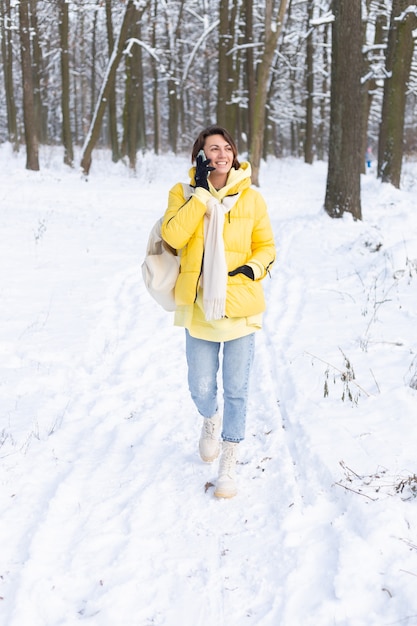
column 209, row 61
column 308, row 141
column 345, row 156
column 398, row 62
column 7, row 55
column 322, row 129
column 227, row 74
column 65, row 74
column 32, row 146
column 133, row 113
column 373, row 67
column 173, row 28
column 248, row 78
column 114, row 142
column 156, row 99
column 109, row 78
column 41, row 112
column 273, row 26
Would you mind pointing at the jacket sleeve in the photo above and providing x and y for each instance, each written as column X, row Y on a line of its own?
column 183, row 215
column 263, row 245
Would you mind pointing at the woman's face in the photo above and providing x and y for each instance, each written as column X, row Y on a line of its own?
column 220, row 153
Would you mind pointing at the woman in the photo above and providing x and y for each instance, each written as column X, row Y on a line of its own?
column 224, row 237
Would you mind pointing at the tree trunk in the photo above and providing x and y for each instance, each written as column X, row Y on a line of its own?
column 93, row 76
column 345, row 149
column 41, row 112
column 156, row 105
column 31, row 139
column 272, row 31
column 222, row 80
column 398, row 63
column 80, row 77
column 108, row 82
column 250, row 69
column 141, row 143
column 321, row 144
column 174, row 35
column 226, row 108
column 173, row 114
column 65, row 96
column 308, row 141
column 7, row 55
column 370, row 86
column 133, row 129
column 114, row 142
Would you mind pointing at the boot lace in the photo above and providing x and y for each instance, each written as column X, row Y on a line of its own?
column 210, row 428
column 228, row 462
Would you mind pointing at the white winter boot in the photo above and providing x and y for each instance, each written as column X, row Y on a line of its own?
column 226, row 482
column 209, row 444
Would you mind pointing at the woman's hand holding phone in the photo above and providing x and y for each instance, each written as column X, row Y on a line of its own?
column 202, row 170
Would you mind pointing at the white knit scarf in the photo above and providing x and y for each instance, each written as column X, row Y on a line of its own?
column 214, row 262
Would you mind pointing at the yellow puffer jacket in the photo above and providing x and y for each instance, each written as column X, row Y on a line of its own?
column 247, row 236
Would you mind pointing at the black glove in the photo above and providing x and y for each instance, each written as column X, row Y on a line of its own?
column 202, row 170
column 243, row 269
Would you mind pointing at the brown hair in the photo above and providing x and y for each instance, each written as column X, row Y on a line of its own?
column 214, row 130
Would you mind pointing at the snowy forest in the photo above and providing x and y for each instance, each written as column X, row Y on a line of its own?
column 316, row 79
column 108, row 513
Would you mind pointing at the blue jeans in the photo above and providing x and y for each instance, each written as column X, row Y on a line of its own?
column 203, row 365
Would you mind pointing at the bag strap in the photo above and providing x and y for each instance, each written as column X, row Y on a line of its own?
column 187, row 190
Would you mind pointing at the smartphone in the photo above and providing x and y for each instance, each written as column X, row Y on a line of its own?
column 203, row 155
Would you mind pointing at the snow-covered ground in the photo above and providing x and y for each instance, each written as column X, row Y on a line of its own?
column 107, row 513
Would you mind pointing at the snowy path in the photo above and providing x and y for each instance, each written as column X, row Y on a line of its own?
column 125, row 467
column 125, row 479
column 108, row 514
